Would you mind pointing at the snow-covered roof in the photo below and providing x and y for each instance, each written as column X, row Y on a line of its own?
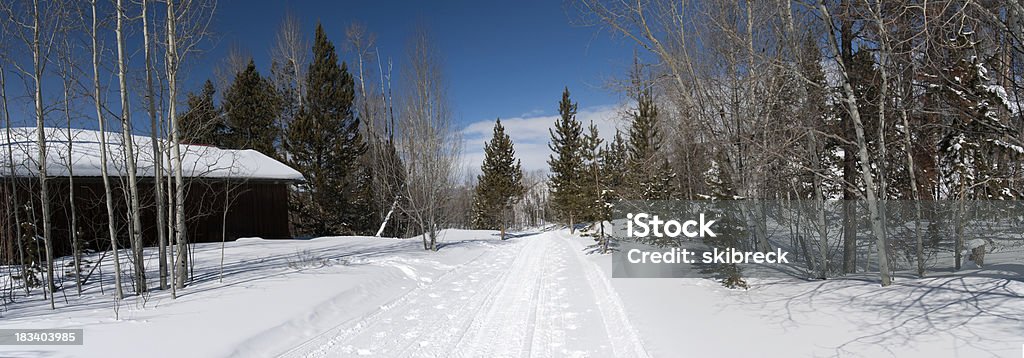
column 84, row 157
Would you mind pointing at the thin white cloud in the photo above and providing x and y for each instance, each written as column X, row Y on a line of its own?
column 531, row 137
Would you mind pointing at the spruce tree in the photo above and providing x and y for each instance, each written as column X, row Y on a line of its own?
column 251, row 107
column 324, row 143
column 500, row 183
column 652, row 176
column 614, row 157
column 566, row 162
column 611, row 167
column 592, row 184
column 202, row 123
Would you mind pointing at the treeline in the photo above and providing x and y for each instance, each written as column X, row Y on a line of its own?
column 834, row 99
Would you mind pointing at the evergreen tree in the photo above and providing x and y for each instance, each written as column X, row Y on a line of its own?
column 592, row 184
column 651, row 174
column 597, row 194
column 614, row 157
column 202, row 123
column 566, row 162
column 324, row 143
column 251, row 107
column 977, row 137
column 500, row 183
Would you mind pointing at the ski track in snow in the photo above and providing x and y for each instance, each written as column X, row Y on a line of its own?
column 537, row 296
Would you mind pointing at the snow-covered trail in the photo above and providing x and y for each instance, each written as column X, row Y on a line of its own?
column 537, row 297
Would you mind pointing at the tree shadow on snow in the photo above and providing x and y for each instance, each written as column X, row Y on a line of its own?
column 272, row 266
column 944, row 307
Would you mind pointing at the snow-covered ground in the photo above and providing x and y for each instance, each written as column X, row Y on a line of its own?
column 537, row 295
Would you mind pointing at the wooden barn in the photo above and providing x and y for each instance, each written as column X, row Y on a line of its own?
column 229, row 193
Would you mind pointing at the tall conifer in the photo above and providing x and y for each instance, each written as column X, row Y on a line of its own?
column 251, row 108
column 324, row 143
column 651, row 174
column 201, row 123
column 566, row 162
column 500, row 183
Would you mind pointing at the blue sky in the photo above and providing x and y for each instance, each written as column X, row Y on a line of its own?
column 503, row 58
column 508, row 59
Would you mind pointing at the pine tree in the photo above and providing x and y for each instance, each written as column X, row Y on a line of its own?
column 652, row 176
column 614, row 157
column 324, row 144
column 592, row 184
column 202, row 123
column 500, row 184
column 251, row 107
column 596, row 192
column 566, row 162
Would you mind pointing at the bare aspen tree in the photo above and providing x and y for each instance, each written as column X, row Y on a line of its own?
column 235, row 61
column 108, row 193
column 172, row 112
column 44, row 194
column 65, row 70
column 813, row 142
column 128, row 140
column 289, row 62
column 15, row 198
column 429, row 145
column 373, row 113
column 292, row 49
column 155, row 140
column 850, row 99
column 186, row 23
column 233, row 188
column 388, row 167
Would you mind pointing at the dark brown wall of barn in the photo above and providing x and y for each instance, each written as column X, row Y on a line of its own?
column 257, row 208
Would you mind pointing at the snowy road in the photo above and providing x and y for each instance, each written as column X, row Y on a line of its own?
column 534, row 297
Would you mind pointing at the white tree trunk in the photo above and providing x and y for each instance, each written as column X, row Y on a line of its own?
column 44, row 193
column 76, row 253
column 108, row 193
column 179, row 185
column 130, row 160
column 158, row 168
column 387, row 218
column 877, row 227
column 10, row 167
